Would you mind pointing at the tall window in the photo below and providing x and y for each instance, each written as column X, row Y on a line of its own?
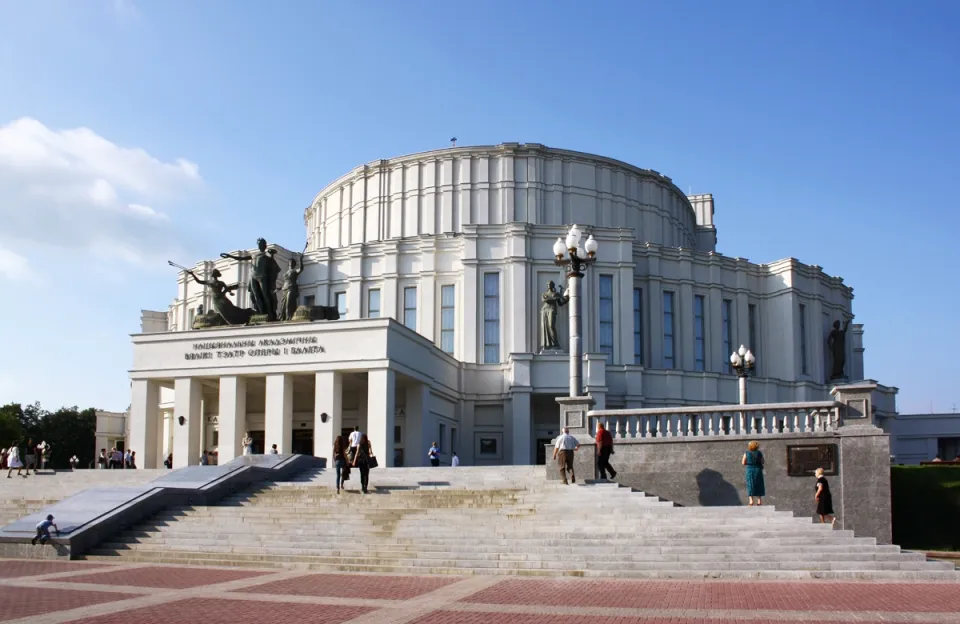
column 491, row 318
column 410, row 307
column 668, row 340
column 727, row 335
column 373, row 303
column 448, row 308
column 453, row 439
column 752, row 327
column 441, row 434
column 340, row 299
column 606, row 316
column 699, row 348
column 638, row 326
column 803, row 339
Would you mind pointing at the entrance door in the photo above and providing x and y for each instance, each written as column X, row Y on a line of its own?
column 542, row 450
column 302, row 441
column 257, row 437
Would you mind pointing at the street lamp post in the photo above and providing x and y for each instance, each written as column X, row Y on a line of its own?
column 574, row 258
column 743, row 362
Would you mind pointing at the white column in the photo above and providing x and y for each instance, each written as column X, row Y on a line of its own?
column 233, row 417
column 327, row 399
column 279, row 413
column 417, row 407
column 381, row 402
column 144, row 421
column 186, row 437
column 520, row 400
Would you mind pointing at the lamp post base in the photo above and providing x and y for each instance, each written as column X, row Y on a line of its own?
column 573, row 414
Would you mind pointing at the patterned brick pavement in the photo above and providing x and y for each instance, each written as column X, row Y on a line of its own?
column 13, row 568
column 353, row 586
column 207, row 610
column 40, row 592
column 163, row 578
column 755, row 596
column 19, row 602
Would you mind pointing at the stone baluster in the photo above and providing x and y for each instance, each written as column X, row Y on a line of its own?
column 620, row 434
column 647, row 432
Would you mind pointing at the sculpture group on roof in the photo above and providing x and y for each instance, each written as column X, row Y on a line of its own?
column 269, row 304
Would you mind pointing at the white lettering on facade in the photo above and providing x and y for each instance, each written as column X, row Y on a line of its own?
column 265, row 347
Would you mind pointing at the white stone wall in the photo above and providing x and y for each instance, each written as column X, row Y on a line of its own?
column 446, row 190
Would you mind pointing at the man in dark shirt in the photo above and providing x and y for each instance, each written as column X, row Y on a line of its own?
column 604, row 450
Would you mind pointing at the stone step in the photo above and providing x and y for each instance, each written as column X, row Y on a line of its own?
column 503, row 518
column 290, row 547
column 842, row 575
column 418, row 566
column 267, row 541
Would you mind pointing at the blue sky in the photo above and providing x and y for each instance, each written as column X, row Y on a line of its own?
column 826, row 131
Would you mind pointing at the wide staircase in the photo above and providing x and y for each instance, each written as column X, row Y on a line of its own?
column 504, row 520
column 22, row 496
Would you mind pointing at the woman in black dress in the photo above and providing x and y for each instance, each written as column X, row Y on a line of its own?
column 824, row 499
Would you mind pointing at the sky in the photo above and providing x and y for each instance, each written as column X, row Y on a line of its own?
column 133, row 132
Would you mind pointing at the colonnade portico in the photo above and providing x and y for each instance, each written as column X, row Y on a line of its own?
column 227, row 401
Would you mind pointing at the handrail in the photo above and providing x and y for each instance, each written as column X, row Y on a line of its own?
column 719, row 420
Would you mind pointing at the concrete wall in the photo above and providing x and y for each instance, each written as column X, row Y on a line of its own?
column 707, row 472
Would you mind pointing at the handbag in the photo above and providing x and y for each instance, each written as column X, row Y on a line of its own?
column 372, row 462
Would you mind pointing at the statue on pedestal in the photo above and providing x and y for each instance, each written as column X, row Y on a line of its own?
column 837, row 343
column 231, row 314
column 290, row 293
column 552, row 300
column 263, row 278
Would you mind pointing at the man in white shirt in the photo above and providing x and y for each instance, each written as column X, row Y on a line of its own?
column 354, row 441
column 565, row 446
column 455, row 461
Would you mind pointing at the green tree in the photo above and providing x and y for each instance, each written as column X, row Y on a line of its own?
column 11, row 427
column 70, row 431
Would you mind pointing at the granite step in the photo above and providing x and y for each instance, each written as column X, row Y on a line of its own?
column 414, row 521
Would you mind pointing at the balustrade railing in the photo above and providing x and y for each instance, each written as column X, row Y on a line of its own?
column 719, row 420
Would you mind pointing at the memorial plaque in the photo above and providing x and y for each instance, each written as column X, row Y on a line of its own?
column 802, row 461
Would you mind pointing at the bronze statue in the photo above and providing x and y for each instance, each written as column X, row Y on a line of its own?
column 552, row 300
column 290, row 294
column 263, row 278
column 230, row 313
column 837, row 343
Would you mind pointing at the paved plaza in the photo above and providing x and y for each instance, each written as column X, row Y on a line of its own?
column 41, row 592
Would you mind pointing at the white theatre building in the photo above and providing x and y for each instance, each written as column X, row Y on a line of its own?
column 437, row 262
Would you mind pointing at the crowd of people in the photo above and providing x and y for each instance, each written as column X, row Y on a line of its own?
column 117, row 459
column 25, row 457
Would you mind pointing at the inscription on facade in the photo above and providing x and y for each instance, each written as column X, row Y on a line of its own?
column 802, row 461
column 262, row 348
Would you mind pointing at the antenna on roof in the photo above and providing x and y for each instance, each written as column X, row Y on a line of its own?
column 453, row 142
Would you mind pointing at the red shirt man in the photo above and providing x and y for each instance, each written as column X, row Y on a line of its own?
column 604, row 449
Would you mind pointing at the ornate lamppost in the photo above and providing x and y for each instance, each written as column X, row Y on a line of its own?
column 743, row 362
column 574, row 258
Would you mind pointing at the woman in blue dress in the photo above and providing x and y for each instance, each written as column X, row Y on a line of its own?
column 753, row 460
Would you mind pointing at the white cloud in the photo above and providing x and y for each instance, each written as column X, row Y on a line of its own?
column 13, row 266
column 146, row 212
column 75, row 189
